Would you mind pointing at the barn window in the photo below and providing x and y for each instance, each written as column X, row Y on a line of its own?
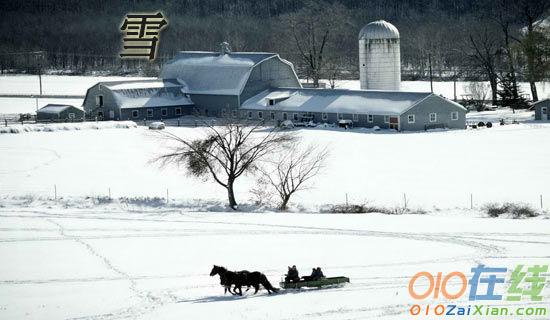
column 271, row 102
column 99, row 101
column 295, row 117
column 433, row 117
column 260, row 115
column 149, row 113
column 285, row 116
column 100, row 114
column 164, row 112
column 234, row 113
column 249, row 114
column 71, row 115
column 340, row 116
column 370, row 118
column 454, row 115
column 324, row 116
column 411, row 118
column 272, row 115
column 355, row 117
column 386, row 119
column 135, row 113
column 178, row 111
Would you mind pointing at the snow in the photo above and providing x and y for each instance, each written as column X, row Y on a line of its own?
column 70, row 263
column 81, row 255
column 435, row 169
column 30, row 105
column 54, row 108
column 444, row 88
column 212, row 73
column 53, row 85
column 132, row 85
column 67, row 126
column 338, row 101
column 150, row 97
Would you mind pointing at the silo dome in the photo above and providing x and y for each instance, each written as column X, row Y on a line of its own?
column 379, row 30
column 379, row 56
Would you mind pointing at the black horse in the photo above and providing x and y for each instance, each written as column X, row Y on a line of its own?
column 242, row 278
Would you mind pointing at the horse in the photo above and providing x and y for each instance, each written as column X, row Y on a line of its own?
column 242, row 278
column 227, row 278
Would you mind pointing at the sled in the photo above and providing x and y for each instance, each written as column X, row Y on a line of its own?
column 323, row 282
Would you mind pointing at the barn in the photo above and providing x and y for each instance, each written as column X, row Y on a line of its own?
column 263, row 86
column 542, row 110
column 398, row 110
column 137, row 100
column 59, row 112
column 218, row 82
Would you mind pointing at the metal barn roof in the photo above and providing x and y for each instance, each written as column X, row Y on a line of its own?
column 212, row 72
column 55, row 108
column 337, row 101
column 149, row 93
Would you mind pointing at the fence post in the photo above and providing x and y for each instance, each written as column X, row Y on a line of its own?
column 541, row 205
column 6, row 122
column 347, row 204
column 404, row 200
column 109, row 193
column 55, row 192
column 167, row 195
column 471, row 201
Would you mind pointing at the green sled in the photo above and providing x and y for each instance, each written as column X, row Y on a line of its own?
column 315, row 283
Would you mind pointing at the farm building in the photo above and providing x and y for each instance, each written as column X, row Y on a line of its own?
column 137, row 100
column 59, row 112
column 386, row 109
column 263, row 86
column 218, row 82
column 542, row 110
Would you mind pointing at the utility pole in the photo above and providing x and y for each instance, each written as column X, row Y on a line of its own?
column 431, row 75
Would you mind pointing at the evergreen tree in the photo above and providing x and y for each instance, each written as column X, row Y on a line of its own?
column 509, row 93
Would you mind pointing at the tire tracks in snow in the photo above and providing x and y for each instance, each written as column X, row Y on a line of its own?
column 148, row 301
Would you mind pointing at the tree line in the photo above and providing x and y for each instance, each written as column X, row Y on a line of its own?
column 500, row 41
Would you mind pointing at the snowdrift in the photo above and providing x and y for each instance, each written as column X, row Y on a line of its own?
column 51, row 127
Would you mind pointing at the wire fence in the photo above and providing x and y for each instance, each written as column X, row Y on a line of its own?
column 167, row 195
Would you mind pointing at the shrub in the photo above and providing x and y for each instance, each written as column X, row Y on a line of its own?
column 515, row 210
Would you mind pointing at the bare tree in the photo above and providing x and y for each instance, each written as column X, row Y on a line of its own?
column 478, row 92
column 532, row 40
column 484, row 49
column 292, row 171
column 313, row 28
column 224, row 153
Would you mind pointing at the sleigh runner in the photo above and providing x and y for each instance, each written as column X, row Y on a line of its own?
column 323, row 282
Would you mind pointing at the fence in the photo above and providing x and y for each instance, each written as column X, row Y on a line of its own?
column 167, row 195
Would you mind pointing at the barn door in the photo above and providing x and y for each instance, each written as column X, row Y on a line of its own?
column 111, row 114
column 394, row 123
column 544, row 113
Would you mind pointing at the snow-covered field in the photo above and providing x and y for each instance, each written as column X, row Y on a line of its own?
column 435, row 169
column 88, row 258
column 94, row 264
column 77, row 85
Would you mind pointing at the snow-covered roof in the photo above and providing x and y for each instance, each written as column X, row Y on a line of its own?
column 213, row 72
column 338, row 101
column 379, row 30
column 149, row 93
column 55, row 108
column 141, row 84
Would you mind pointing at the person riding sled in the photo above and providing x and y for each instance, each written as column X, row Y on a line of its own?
column 316, row 274
column 292, row 275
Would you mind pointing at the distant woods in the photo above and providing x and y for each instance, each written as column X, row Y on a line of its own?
column 459, row 39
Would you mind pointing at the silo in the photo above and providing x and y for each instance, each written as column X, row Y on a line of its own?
column 379, row 56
